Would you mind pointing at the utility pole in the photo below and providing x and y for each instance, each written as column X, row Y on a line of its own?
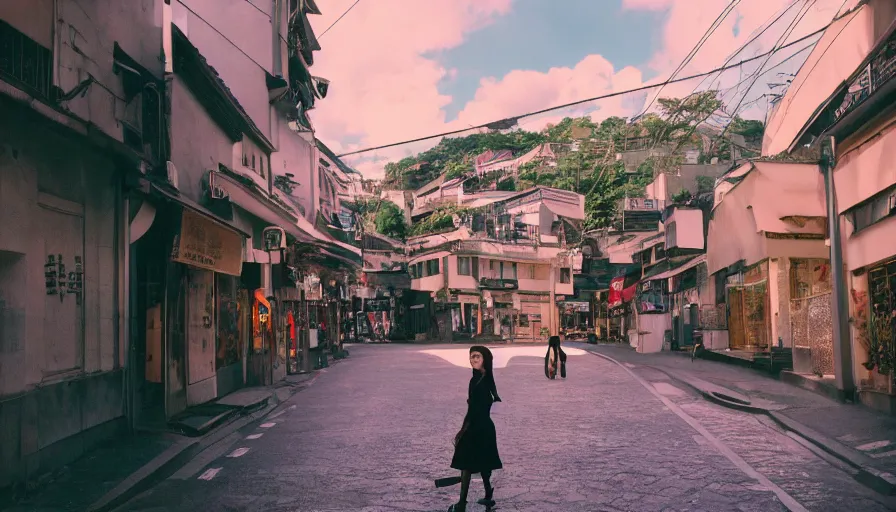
column 840, row 322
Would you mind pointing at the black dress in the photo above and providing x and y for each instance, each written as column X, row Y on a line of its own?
column 477, row 448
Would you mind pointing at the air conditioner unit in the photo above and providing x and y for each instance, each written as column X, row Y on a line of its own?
column 172, row 174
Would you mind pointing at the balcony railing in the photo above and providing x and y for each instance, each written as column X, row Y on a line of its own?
column 24, row 62
column 498, row 284
column 878, row 72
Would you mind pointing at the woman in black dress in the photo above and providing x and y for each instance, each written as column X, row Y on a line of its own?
column 476, row 445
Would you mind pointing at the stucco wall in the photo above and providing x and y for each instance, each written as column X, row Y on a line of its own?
column 197, row 143
column 41, row 332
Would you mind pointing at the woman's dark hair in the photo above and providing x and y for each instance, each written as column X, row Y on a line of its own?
column 554, row 341
column 488, row 362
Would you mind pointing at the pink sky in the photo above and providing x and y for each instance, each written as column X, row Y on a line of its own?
column 385, row 90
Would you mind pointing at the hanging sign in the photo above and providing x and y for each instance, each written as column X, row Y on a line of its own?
column 206, row 244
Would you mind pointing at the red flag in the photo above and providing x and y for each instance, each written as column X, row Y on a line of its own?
column 615, row 298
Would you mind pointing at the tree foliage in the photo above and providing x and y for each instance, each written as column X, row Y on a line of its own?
column 389, row 221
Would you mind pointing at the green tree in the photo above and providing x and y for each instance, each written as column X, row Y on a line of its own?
column 390, row 221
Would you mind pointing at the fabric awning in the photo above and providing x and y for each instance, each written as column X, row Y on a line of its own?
column 680, row 269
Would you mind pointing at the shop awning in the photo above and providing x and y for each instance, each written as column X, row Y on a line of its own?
column 689, row 264
column 186, row 202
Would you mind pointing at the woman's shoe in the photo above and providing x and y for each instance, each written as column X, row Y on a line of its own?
column 488, row 501
column 458, row 507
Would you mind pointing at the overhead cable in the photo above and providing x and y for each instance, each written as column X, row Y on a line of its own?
column 589, row 100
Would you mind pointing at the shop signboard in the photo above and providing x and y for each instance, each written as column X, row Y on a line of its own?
column 209, row 245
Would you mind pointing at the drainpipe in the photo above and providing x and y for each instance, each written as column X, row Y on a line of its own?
column 842, row 344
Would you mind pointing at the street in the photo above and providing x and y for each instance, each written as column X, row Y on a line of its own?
column 372, row 433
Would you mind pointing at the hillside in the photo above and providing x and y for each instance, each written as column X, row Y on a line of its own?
column 587, row 158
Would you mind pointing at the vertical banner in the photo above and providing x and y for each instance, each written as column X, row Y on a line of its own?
column 615, row 296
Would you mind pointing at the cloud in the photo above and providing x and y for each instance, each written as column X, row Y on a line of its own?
column 385, row 84
column 383, row 88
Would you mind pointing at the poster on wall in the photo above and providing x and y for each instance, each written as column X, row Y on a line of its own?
column 205, row 244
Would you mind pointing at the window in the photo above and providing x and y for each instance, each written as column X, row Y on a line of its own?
column 262, row 167
column 253, row 162
column 245, row 160
column 463, row 266
column 874, row 210
column 432, row 267
column 565, row 275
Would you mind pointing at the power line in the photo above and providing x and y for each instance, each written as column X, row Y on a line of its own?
column 257, row 8
column 767, row 26
column 194, row 13
column 789, row 30
column 709, row 32
column 588, row 100
column 339, row 18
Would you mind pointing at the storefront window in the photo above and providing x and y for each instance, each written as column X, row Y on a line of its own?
column 228, row 347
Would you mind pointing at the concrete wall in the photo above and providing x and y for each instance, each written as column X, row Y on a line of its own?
column 651, row 329
column 58, row 366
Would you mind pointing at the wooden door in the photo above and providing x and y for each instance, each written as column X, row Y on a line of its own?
column 63, row 234
column 736, row 337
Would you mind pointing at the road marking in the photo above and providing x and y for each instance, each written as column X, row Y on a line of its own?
column 883, row 454
column 206, row 457
column 239, row 452
column 291, row 407
column 209, row 474
column 254, row 436
column 873, row 446
column 267, row 425
column 788, row 500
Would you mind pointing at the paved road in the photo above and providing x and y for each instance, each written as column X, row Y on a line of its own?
column 373, row 432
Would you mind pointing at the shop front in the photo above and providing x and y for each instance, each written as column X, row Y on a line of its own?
column 203, row 336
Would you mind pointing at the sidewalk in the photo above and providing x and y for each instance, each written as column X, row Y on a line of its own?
column 123, row 467
column 854, row 434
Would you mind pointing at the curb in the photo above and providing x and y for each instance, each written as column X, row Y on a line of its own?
column 176, row 456
column 879, row 481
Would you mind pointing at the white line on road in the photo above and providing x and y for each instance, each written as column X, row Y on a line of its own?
column 873, row 446
column 254, row 436
column 786, row 499
column 239, row 452
column 206, row 457
column 209, row 474
column 267, row 425
column 883, row 454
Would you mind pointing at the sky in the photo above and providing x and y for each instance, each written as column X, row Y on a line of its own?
column 403, row 69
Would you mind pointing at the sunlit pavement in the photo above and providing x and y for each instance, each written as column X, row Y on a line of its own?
column 373, row 433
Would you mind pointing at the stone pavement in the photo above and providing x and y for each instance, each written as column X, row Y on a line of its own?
column 870, row 435
column 372, row 435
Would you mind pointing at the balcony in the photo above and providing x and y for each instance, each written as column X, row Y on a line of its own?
column 871, row 79
column 25, row 63
column 498, row 284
